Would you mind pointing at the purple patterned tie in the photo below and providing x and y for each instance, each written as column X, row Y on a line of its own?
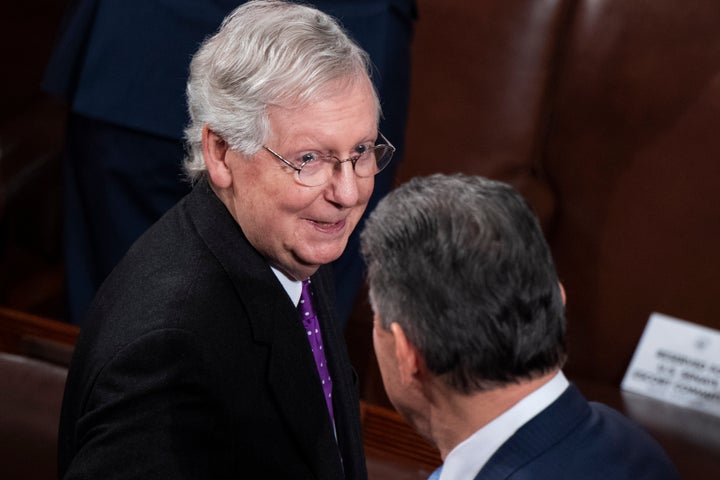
column 312, row 327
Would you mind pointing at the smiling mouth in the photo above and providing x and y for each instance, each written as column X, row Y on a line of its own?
column 328, row 226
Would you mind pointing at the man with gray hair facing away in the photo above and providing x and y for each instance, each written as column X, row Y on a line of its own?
column 469, row 333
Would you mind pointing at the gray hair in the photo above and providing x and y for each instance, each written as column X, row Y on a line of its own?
column 266, row 53
column 460, row 262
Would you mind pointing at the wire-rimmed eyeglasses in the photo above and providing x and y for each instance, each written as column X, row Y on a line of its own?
column 313, row 169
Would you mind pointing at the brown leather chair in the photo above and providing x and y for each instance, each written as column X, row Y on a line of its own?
column 34, row 355
column 31, row 393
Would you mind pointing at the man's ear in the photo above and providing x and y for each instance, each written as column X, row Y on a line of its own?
column 562, row 293
column 407, row 356
column 215, row 152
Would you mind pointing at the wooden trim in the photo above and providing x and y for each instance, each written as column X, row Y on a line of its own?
column 387, row 436
column 30, row 335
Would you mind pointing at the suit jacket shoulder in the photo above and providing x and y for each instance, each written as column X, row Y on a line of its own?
column 574, row 439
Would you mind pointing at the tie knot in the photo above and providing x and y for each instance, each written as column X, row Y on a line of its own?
column 305, row 306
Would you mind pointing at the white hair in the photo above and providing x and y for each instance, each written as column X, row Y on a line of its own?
column 266, row 53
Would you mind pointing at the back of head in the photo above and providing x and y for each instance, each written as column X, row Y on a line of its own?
column 460, row 262
column 266, row 53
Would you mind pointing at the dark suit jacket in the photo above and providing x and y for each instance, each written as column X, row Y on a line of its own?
column 194, row 364
column 573, row 439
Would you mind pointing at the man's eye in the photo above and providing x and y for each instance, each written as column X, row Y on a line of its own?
column 361, row 149
column 308, row 157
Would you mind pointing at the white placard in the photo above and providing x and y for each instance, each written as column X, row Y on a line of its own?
column 677, row 362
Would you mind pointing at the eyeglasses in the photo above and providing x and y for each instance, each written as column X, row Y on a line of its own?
column 313, row 169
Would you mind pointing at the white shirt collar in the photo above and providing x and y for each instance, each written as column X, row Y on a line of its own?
column 468, row 457
column 292, row 287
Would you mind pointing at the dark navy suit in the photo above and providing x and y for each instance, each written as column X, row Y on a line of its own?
column 122, row 64
column 573, row 439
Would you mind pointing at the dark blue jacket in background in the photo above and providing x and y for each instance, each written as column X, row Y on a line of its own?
column 139, row 82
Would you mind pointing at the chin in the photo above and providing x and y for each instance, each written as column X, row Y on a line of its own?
column 322, row 256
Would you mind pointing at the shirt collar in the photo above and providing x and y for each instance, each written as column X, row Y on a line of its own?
column 468, row 457
column 292, row 287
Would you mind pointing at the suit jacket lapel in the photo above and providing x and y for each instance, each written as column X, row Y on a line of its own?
column 274, row 321
column 538, row 435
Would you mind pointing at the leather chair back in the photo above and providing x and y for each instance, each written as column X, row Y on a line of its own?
column 31, row 394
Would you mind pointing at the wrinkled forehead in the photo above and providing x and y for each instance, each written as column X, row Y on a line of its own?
column 338, row 87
